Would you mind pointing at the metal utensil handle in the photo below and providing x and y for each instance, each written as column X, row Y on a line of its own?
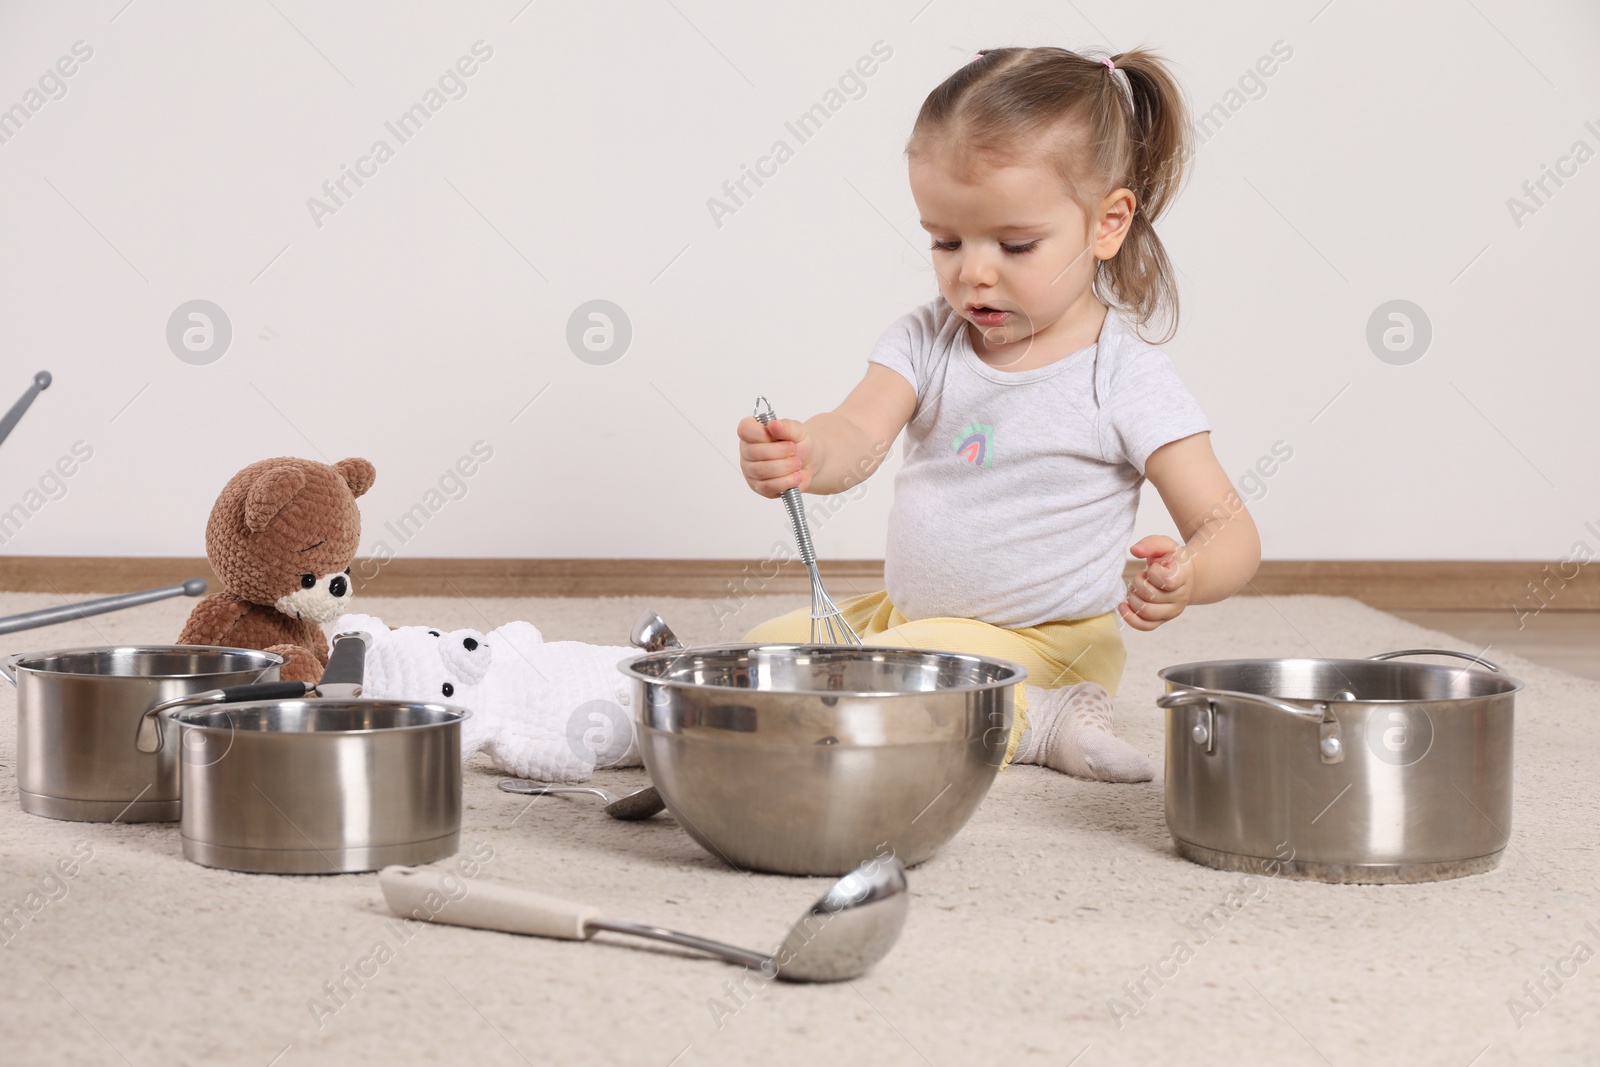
column 539, row 789
column 148, row 739
column 1479, row 660
column 69, row 612
column 41, row 382
column 732, row 953
column 8, row 667
column 791, row 497
column 1198, row 696
column 347, row 664
column 238, row 694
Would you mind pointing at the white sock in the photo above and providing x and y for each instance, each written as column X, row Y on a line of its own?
column 1069, row 730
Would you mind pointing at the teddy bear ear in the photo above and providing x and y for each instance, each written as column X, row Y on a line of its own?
column 357, row 473
column 269, row 493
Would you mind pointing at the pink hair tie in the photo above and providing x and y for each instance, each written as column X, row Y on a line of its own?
column 1109, row 65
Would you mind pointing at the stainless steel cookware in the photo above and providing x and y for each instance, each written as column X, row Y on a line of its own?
column 1342, row 770
column 320, row 786
column 78, row 714
column 295, row 786
column 808, row 759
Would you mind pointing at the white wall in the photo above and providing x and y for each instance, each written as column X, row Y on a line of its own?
column 1376, row 165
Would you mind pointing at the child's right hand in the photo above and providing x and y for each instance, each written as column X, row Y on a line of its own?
column 776, row 457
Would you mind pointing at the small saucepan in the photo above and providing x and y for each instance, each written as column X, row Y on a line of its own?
column 330, row 785
column 321, row 786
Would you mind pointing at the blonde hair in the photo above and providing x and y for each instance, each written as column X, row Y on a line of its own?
column 1013, row 104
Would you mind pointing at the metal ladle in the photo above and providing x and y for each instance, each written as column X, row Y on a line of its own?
column 851, row 927
column 640, row 804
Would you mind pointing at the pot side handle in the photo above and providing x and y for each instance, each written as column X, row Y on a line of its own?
column 1207, row 696
column 148, row 737
column 8, row 667
column 1479, row 660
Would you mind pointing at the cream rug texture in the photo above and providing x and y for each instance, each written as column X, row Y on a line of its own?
column 1032, row 937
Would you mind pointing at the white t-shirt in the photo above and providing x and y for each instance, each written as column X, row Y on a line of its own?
column 1016, row 500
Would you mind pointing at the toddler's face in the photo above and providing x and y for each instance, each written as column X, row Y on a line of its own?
column 1011, row 249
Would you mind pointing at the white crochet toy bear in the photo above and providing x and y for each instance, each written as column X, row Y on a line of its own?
column 551, row 711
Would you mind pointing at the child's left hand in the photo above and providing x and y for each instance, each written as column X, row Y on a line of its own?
column 1161, row 591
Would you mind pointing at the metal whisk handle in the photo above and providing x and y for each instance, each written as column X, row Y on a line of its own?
column 791, row 497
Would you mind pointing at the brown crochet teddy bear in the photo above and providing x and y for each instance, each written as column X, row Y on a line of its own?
column 281, row 537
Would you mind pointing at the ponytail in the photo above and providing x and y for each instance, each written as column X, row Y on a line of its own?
column 1140, row 277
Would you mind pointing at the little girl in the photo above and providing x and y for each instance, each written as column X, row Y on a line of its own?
column 1033, row 410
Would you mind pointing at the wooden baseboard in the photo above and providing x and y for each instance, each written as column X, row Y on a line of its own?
column 1443, row 585
column 1392, row 585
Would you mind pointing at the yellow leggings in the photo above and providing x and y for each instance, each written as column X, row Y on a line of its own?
column 1055, row 654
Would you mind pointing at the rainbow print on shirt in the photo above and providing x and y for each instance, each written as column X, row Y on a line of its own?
column 975, row 444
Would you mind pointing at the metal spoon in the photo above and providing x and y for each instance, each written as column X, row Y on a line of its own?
column 640, row 804
column 851, row 927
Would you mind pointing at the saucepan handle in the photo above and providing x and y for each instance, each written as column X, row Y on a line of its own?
column 148, row 738
column 1479, row 660
column 8, row 667
column 1212, row 696
column 346, row 669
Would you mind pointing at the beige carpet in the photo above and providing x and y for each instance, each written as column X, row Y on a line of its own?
column 1056, row 895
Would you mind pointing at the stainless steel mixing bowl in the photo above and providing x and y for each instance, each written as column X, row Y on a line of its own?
column 809, row 759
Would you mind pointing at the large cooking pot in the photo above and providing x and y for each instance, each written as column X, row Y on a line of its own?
column 78, row 716
column 320, row 786
column 1342, row 770
column 809, row 759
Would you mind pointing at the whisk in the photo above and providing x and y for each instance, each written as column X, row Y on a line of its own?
column 828, row 625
